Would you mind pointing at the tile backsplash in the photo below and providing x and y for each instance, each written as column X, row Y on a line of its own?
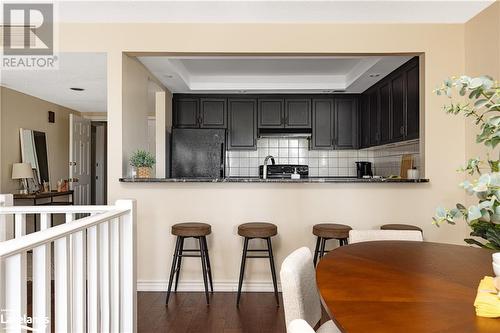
column 322, row 163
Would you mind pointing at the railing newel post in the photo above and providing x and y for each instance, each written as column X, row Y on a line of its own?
column 128, row 275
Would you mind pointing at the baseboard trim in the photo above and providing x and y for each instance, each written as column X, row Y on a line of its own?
column 221, row 286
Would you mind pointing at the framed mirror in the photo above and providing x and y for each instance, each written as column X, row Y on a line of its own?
column 34, row 150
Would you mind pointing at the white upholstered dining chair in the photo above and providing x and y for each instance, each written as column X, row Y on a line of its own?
column 299, row 326
column 357, row 236
column 300, row 295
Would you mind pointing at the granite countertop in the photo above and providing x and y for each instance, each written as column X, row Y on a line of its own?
column 274, row 180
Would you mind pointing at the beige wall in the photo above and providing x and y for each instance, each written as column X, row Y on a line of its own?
column 138, row 104
column 293, row 207
column 19, row 110
column 482, row 57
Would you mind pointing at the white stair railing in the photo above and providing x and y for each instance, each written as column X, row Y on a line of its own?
column 94, row 269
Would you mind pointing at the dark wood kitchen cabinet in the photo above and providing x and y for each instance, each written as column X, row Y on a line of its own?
column 213, row 113
column 373, row 108
column 297, row 113
column 384, row 113
column 346, row 123
column 285, row 113
column 412, row 101
column 334, row 123
column 364, row 122
column 186, row 112
column 271, row 113
column 398, row 107
column 242, row 124
column 323, row 123
column 392, row 107
column 195, row 112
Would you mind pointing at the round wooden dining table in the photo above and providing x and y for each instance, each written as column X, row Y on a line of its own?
column 403, row 286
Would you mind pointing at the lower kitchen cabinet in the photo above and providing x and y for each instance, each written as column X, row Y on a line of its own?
column 242, row 124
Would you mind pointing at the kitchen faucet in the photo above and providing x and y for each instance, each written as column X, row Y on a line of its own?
column 264, row 168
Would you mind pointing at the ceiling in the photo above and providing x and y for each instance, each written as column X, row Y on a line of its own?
column 81, row 70
column 351, row 74
column 281, row 11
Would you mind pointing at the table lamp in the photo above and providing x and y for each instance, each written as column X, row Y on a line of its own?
column 22, row 171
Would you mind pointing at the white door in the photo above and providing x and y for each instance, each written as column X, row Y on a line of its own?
column 79, row 159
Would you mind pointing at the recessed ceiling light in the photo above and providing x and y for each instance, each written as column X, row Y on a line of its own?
column 374, row 75
column 77, row 89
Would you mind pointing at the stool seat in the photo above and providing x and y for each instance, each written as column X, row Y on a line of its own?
column 400, row 227
column 257, row 230
column 331, row 230
column 191, row 229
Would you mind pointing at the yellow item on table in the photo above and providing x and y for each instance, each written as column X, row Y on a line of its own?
column 487, row 302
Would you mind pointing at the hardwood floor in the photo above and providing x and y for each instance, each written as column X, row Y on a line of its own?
column 188, row 313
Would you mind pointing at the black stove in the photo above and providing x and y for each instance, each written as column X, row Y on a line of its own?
column 284, row 171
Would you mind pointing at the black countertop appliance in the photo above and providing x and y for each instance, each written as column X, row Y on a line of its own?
column 198, row 153
column 364, row 169
column 284, row 171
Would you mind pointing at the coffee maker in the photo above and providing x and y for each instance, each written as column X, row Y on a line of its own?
column 364, row 169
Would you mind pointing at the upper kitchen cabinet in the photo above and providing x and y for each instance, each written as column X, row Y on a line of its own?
column 392, row 107
column 271, row 113
column 384, row 113
column 398, row 107
column 213, row 113
column 364, row 122
column 412, row 88
column 285, row 113
column 346, row 123
column 242, row 124
column 297, row 113
column 195, row 112
column 323, row 123
column 334, row 123
column 372, row 96
column 186, row 112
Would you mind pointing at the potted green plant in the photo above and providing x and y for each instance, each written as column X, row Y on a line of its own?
column 483, row 106
column 143, row 161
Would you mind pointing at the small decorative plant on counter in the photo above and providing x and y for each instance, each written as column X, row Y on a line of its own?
column 143, row 161
column 483, row 107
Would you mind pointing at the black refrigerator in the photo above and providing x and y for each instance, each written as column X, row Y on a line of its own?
column 198, row 153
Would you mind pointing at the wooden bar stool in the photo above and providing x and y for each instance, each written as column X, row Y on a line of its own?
column 263, row 231
column 401, row 227
column 326, row 231
column 198, row 231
